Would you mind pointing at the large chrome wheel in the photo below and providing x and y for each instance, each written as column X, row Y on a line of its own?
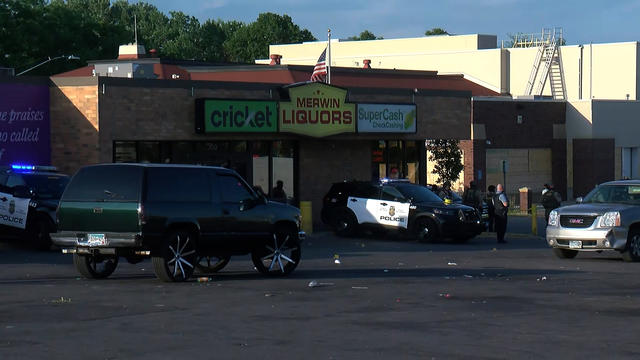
column 176, row 260
column 279, row 256
column 95, row 266
column 632, row 251
column 212, row 264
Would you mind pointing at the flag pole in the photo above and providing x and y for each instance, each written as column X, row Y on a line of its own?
column 329, row 56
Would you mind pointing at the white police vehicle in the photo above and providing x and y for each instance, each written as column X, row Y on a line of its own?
column 397, row 204
column 29, row 196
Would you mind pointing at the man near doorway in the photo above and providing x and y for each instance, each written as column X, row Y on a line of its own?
column 501, row 208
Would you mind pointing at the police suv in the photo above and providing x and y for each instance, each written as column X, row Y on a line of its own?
column 399, row 204
column 29, row 196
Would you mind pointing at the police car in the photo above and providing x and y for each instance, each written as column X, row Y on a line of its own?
column 29, row 196
column 410, row 208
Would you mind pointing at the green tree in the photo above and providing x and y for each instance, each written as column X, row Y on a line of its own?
column 365, row 35
column 447, row 156
column 436, row 31
column 250, row 42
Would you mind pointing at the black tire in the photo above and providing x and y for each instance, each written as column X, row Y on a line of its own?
column 425, row 230
column 212, row 264
column 175, row 260
column 39, row 234
column 280, row 256
column 345, row 223
column 565, row 253
column 96, row 266
column 631, row 252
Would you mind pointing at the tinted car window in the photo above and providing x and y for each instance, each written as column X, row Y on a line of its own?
column 418, row 193
column 105, row 183
column 47, row 186
column 392, row 194
column 626, row 194
column 170, row 184
column 232, row 189
column 14, row 180
column 368, row 191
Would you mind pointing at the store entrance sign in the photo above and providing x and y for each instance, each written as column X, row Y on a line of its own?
column 317, row 110
column 235, row 116
column 387, row 118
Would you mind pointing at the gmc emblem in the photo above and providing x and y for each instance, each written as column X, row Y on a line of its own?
column 576, row 221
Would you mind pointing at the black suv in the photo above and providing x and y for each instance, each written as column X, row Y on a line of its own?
column 412, row 208
column 29, row 196
column 183, row 216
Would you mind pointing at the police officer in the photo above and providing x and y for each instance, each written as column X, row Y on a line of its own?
column 501, row 208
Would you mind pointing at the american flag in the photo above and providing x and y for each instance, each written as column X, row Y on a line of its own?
column 320, row 70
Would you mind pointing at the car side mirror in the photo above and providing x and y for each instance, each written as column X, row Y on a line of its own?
column 21, row 191
column 579, row 199
column 247, row 204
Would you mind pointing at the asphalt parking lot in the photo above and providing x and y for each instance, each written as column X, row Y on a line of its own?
column 386, row 299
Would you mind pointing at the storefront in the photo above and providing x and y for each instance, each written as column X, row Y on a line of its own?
column 307, row 135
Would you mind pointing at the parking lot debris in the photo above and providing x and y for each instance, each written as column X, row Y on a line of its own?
column 203, row 279
column 450, row 263
column 544, row 278
column 61, row 300
column 445, row 295
column 386, row 270
column 336, row 259
column 315, row 283
column 468, row 276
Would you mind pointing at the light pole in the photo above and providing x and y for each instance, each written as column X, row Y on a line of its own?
column 68, row 57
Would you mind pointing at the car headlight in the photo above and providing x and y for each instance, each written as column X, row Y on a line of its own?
column 610, row 219
column 553, row 218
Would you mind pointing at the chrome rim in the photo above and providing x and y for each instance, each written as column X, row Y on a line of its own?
column 279, row 256
column 635, row 246
column 179, row 261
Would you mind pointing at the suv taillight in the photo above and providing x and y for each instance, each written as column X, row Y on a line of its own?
column 141, row 218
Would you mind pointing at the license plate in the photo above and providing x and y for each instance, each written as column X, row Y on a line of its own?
column 575, row 244
column 96, row 240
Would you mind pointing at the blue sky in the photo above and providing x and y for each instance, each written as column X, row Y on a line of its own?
column 585, row 21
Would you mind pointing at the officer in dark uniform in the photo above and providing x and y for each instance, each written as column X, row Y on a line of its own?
column 501, row 206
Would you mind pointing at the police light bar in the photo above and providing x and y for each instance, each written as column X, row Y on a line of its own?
column 33, row 167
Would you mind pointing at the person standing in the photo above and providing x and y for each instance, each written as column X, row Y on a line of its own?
column 501, row 208
column 473, row 197
column 550, row 200
column 491, row 192
column 278, row 194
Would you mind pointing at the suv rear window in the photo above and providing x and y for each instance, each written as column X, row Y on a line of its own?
column 184, row 185
column 105, row 183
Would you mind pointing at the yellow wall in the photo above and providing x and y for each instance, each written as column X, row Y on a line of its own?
column 614, row 67
column 579, row 120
